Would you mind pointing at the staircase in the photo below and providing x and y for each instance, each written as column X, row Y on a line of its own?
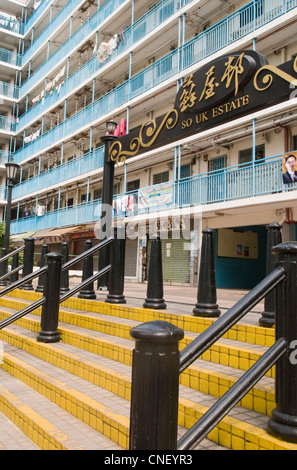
column 75, row 394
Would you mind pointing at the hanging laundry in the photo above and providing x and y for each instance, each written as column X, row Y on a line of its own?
column 32, row 136
column 104, row 51
column 121, row 128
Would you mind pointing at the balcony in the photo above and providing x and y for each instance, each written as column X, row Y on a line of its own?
column 7, row 124
column 10, row 58
column 193, row 51
column 233, row 183
column 69, row 46
column 11, row 25
column 59, row 175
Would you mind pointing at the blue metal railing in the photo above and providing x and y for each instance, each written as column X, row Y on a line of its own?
column 163, row 69
column 242, row 181
column 11, row 24
column 73, row 169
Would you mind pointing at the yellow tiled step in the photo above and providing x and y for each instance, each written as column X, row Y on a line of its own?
column 89, row 411
column 37, row 428
column 227, row 354
column 260, row 398
column 230, row 432
column 239, row 332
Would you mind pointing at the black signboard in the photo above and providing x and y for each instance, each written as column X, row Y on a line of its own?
column 225, row 89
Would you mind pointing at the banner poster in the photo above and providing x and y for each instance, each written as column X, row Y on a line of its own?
column 289, row 168
column 154, row 196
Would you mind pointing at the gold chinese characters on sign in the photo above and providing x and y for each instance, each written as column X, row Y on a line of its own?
column 233, row 69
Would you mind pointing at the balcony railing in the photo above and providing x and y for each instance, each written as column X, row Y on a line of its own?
column 10, row 57
column 36, row 14
column 8, row 90
column 71, row 44
column 73, row 169
column 11, row 24
column 235, row 26
column 243, row 181
column 158, row 72
column 7, row 124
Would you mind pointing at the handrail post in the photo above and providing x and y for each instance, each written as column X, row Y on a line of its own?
column 206, row 305
column 28, row 261
column 3, row 267
column 274, row 237
column 14, row 264
column 155, row 382
column 65, row 274
column 154, row 295
column 41, row 279
column 50, row 310
column 117, row 275
column 88, row 291
column 283, row 422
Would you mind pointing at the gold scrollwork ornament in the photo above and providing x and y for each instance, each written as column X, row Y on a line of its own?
column 148, row 130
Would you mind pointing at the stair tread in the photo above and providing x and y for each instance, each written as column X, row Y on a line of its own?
column 114, row 404
column 132, row 323
column 60, row 421
column 12, row 438
column 117, row 404
column 111, row 403
column 265, row 382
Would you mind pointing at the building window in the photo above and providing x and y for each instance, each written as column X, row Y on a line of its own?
column 133, row 185
column 246, row 155
column 161, row 177
column 84, row 198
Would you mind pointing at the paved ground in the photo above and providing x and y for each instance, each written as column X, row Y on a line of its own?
column 182, row 299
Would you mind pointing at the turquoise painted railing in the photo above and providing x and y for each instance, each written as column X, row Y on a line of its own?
column 9, row 90
column 243, row 181
column 11, row 58
column 73, row 169
column 10, row 24
column 134, row 33
column 36, row 15
column 163, row 69
column 71, row 44
column 5, row 156
column 7, row 124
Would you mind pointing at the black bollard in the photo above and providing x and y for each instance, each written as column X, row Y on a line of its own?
column 14, row 264
column 42, row 278
column 154, row 295
column 88, row 291
column 274, row 237
column 117, row 275
column 65, row 274
column 206, row 305
column 283, row 421
column 28, row 261
column 155, row 383
column 3, row 267
column 50, row 310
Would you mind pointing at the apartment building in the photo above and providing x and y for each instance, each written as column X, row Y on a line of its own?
column 69, row 67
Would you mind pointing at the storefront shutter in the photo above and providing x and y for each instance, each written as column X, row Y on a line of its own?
column 175, row 260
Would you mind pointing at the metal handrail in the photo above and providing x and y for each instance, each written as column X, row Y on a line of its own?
column 43, row 270
column 199, row 345
column 244, row 384
column 87, row 253
column 22, row 281
column 14, row 252
column 85, row 283
column 224, row 404
column 12, row 272
column 16, row 316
